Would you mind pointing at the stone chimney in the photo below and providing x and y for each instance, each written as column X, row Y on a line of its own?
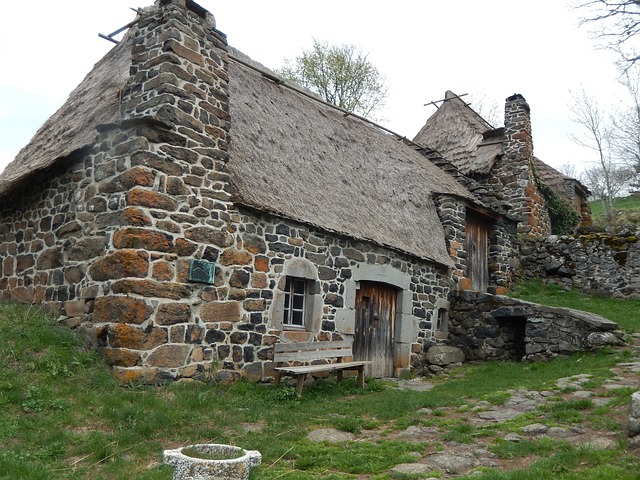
column 517, row 130
column 520, row 187
column 163, row 175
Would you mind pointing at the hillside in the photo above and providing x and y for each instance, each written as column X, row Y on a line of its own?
column 627, row 211
column 62, row 416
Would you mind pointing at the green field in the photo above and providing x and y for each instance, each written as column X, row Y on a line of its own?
column 625, row 312
column 627, row 206
column 63, row 416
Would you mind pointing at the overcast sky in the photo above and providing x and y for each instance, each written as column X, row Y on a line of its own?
column 490, row 49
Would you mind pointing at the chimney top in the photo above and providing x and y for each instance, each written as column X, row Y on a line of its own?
column 514, row 97
column 517, row 98
column 193, row 6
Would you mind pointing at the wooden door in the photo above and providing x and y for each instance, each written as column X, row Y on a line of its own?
column 478, row 253
column 375, row 323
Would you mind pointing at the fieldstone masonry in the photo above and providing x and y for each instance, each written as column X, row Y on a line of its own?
column 596, row 262
column 502, row 247
column 488, row 326
column 515, row 171
column 106, row 237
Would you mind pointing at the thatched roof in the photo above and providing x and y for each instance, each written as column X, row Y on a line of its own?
column 289, row 155
column 456, row 131
column 464, row 138
column 307, row 161
column 94, row 102
column 560, row 183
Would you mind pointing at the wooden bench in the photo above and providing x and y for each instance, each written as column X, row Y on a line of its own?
column 311, row 354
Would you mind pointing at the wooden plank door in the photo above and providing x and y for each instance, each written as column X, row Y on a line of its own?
column 478, row 253
column 375, row 323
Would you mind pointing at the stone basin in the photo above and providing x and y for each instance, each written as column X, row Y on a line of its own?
column 234, row 462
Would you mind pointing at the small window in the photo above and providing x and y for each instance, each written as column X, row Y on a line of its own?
column 441, row 323
column 295, row 292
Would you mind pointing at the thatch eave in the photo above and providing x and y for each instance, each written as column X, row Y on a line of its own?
column 74, row 126
column 309, row 162
column 248, row 204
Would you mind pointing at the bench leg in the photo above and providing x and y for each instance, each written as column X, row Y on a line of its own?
column 361, row 377
column 300, row 384
column 276, row 380
column 339, row 375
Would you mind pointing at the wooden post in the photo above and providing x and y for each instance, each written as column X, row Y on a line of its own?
column 300, row 384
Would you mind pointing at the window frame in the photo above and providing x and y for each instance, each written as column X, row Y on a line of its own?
column 295, row 314
column 440, row 320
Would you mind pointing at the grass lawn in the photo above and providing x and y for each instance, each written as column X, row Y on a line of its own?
column 62, row 416
column 628, row 208
column 624, row 312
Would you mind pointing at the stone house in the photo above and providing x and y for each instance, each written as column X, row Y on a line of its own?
column 509, row 177
column 185, row 209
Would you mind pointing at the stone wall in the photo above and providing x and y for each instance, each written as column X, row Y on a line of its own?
column 42, row 259
column 503, row 255
column 151, row 322
column 108, row 237
column 496, row 327
column 502, row 250
column 598, row 263
column 250, row 274
column 103, row 236
column 515, row 171
column 452, row 213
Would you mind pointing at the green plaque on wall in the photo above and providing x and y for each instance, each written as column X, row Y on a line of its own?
column 202, row 271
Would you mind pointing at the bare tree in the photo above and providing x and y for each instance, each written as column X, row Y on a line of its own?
column 607, row 177
column 568, row 169
column 626, row 122
column 341, row 75
column 601, row 190
column 616, row 23
column 488, row 109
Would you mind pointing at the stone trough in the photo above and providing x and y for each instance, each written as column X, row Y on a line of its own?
column 230, row 463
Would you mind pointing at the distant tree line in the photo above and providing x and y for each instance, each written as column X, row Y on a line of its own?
column 613, row 133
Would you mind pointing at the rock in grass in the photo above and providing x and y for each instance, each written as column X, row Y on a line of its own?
column 633, row 427
column 512, row 437
column 601, row 443
column 330, row 435
column 412, row 468
column 535, row 429
column 451, row 463
column 559, row 432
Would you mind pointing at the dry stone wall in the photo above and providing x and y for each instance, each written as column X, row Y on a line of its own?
column 496, row 327
column 598, row 263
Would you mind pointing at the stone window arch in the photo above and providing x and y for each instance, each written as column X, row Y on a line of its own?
column 297, row 299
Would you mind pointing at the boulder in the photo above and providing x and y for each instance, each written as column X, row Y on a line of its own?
column 443, row 355
column 633, row 427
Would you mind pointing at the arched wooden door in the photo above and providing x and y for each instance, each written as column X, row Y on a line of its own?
column 375, row 323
